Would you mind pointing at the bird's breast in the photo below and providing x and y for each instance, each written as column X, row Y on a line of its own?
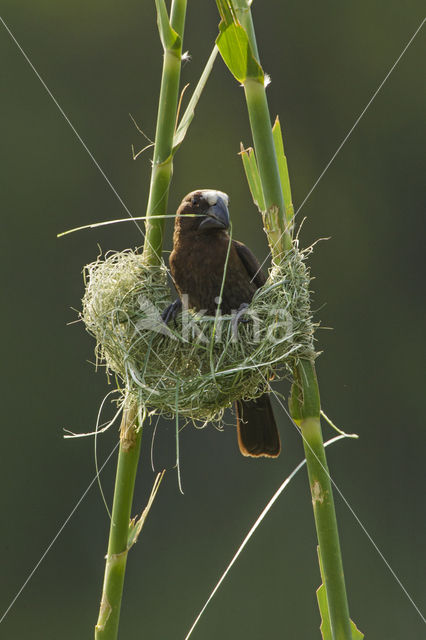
column 197, row 266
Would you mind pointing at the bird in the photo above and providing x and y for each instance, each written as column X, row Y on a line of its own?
column 200, row 246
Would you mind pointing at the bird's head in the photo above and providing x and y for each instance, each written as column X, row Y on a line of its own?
column 203, row 211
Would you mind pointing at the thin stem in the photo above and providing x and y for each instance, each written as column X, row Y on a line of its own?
column 261, row 127
column 305, row 401
column 131, row 433
column 260, row 122
column 130, row 443
column 322, row 501
column 326, row 527
column 274, row 216
column 162, row 163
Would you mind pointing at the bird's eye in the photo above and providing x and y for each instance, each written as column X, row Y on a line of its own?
column 194, row 201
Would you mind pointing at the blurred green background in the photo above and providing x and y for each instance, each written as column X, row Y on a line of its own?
column 102, row 61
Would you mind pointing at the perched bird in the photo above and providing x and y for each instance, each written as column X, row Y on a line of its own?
column 200, row 246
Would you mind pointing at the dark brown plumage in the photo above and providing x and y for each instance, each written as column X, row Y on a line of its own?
column 200, row 245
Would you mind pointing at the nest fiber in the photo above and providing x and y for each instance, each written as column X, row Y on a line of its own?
column 198, row 365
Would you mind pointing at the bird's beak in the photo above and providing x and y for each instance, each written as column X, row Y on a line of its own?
column 217, row 216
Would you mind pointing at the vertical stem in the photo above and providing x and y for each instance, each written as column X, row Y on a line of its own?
column 162, row 163
column 326, row 527
column 130, row 443
column 261, row 127
column 260, row 123
column 130, row 435
column 307, row 416
column 305, row 401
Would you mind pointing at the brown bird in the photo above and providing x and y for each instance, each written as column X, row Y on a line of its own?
column 200, row 246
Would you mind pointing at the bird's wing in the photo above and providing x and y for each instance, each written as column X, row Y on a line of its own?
column 251, row 263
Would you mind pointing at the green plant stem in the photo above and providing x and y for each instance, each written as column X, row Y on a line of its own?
column 260, row 123
column 326, row 527
column 162, row 163
column 305, row 404
column 306, row 413
column 131, row 433
column 261, row 127
column 116, row 559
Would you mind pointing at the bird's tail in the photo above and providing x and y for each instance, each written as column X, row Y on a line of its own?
column 256, row 428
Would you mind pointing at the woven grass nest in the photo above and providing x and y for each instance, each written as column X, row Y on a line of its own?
column 199, row 365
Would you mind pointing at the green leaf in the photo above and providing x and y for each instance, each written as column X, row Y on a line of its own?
column 234, row 45
column 253, row 177
column 325, row 617
column 242, row 5
column 169, row 38
column 294, row 400
column 325, row 627
column 283, row 170
column 187, row 117
column 356, row 633
column 136, row 524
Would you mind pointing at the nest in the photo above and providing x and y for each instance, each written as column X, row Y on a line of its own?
column 198, row 365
